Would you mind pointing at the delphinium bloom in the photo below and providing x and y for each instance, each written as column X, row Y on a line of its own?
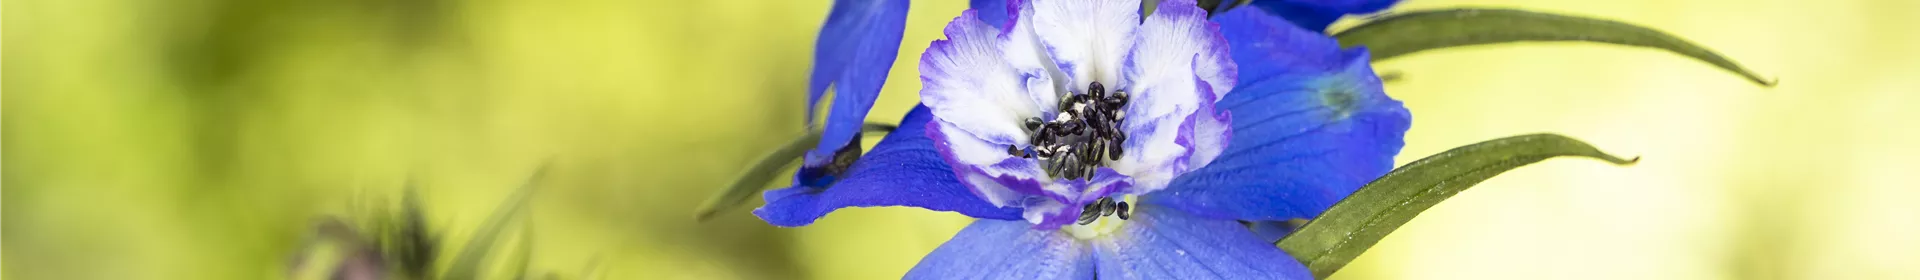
column 1092, row 142
column 857, row 45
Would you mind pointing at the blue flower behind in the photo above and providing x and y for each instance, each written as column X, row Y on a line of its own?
column 852, row 55
column 1041, row 124
column 993, row 12
column 1317, row 14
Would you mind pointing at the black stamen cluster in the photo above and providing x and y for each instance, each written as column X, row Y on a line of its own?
column 1082, row 137
column 1102, row 208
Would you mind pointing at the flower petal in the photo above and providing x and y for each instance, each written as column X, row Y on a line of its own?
column 1177, row 45
column 1264, row 46
column 1087, row 40
column 903, row 170
column 1292, row 155
column 986, row 167
column 1162, row 243
column 1304, row 136
column 1317, row 14
column 1024, row 50
column 969, row 83
column 992, row 249
column 853, row 54
column 1211, row 129
column 1007, row 181
column 1065, row 209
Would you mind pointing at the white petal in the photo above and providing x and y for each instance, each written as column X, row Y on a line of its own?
column 1038, row 211
column 1212, row 129
column 1088, row 40
column 967, row 81
column 986, row 167
column 1153, row 154
column 1179, row 51
column 1026, row 54
column 1177, row 43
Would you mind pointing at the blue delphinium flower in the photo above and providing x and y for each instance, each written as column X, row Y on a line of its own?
column 853, row 54
column 1091, row 142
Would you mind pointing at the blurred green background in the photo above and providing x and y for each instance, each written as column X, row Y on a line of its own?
column 202, row 139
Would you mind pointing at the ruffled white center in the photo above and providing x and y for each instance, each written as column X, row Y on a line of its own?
column 987, row 85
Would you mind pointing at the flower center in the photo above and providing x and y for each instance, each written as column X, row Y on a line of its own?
column 1103, row 207
column 1093, row 221
column 1081, row 138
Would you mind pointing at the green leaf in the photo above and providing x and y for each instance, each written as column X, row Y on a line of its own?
column 1405, row 33
column 593, row 270
column 1209, row 5
column 755, row 177
column 467, row 264
column 1391, row 76
column 416, row 245
column 1348, row 228
column 524, row 256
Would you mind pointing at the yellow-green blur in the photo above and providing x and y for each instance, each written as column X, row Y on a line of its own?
column 205, row 139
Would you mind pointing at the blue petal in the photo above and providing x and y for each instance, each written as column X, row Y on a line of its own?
column 1309, row 127
column 1265, row 46
column 994, row 12
column 1161, row 243
column 1317, row 14
column 855, row 50
column 903, row 170
column 993, row 249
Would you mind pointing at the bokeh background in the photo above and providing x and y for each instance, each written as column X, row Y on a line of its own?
column 202, row 139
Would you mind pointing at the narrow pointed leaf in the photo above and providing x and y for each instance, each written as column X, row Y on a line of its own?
column 1352, row 225
column 755, row 178
column 1391, row 76
column 524, row 258
column 1405, row 33
column 592, row 270
column 418, row 246
column 467, row 264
